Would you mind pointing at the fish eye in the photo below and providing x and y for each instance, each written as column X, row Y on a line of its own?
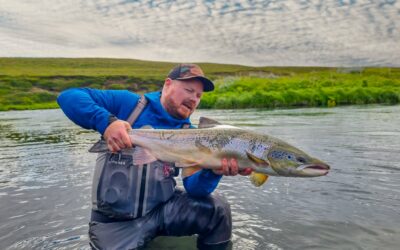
column 301, row 159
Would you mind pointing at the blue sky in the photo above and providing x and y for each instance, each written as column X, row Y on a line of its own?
column 273, row 32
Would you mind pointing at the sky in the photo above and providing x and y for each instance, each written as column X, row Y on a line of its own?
column 348, row 33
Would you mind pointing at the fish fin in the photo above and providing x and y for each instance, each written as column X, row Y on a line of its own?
column 186, row 164
column 142, row 156
column 146, row 127
column 189, row 171
column 205, row 122
column 99, row 147
column 202, row 148
column 256, row 159
column 258, row 179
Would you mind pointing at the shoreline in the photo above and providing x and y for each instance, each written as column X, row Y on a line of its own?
column 34, row 83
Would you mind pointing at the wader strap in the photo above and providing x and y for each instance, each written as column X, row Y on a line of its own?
column 137, row 110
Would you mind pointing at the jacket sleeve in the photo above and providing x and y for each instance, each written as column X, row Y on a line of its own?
column 92, row 108
column 201, row 183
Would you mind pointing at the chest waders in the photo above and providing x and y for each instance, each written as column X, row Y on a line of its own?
column 121, row 190
column 133, row 204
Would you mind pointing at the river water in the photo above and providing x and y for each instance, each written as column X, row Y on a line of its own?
column 45, row 182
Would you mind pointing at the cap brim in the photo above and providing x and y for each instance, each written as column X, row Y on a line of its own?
column 208, row 85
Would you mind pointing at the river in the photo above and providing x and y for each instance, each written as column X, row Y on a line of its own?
column 45, row 181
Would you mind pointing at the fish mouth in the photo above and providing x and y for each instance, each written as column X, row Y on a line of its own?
column 315, row 169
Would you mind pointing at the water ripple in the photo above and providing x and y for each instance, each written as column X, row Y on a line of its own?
column 45, row 184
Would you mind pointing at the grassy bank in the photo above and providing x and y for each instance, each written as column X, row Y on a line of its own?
column 323, row 88
column 34, row 83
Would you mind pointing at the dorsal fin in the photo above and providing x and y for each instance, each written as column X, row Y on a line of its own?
column 146, row 127
column 205, row 122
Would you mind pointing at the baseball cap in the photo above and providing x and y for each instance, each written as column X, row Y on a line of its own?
column 186, row 71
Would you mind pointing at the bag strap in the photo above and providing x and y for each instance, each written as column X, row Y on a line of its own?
column 137, row 110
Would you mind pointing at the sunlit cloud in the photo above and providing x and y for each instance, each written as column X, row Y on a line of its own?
column 274, row 32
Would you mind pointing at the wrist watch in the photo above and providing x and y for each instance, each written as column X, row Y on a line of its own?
column 112, row 118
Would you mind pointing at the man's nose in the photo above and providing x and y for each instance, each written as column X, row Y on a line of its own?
column 194, row 98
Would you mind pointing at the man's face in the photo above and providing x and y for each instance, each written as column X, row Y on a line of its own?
column 181, row 98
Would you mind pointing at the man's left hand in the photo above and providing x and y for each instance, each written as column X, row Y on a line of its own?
column 229, row 167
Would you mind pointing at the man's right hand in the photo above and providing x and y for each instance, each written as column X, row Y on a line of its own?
column 116, row 136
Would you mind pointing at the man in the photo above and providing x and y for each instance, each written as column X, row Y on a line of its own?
column 132, row 204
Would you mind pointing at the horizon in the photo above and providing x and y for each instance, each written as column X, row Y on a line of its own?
column 224, row 64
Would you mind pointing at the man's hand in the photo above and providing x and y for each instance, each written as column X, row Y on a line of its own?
column 229, row 167
column 116, row 136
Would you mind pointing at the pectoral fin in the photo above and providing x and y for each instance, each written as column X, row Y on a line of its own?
column 142, row 156
column 258, row 179
column 256, row 159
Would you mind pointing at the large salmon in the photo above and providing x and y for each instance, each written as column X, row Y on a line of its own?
column 207, row 145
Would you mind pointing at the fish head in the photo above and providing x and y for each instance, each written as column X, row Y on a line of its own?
column 287, row 160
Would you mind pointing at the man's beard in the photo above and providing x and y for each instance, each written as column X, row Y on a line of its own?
column 172, row 108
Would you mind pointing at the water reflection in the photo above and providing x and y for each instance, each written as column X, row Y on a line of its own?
column 45, row 182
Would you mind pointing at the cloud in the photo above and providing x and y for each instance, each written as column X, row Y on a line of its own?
column 270, row 32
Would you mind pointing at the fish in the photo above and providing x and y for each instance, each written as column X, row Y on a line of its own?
column 207, row 145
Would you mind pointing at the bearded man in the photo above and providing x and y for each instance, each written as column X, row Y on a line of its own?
column 132, row 204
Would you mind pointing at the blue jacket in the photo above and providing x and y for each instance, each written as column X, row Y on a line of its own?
column 91, row 109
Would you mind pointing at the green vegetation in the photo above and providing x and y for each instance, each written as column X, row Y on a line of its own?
column 317, row 88
column 34, row 83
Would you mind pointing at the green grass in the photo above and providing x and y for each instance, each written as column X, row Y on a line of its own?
column 34, row 83
column 306, row 90
column 94, row 67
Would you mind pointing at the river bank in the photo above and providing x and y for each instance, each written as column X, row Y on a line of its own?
column 34, row 83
